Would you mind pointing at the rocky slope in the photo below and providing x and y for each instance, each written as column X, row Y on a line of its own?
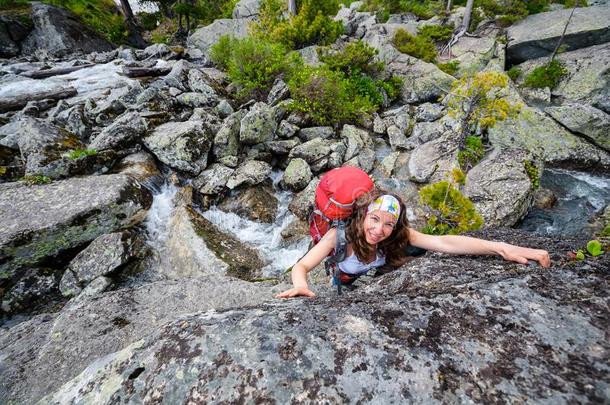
column 95, row 314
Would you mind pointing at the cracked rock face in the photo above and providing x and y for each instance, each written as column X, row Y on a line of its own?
column 440, row 330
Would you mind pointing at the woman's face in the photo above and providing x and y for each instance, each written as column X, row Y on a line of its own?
column 378, row 226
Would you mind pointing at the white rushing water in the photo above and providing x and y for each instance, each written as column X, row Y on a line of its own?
column 265, row 238
column 159, row 215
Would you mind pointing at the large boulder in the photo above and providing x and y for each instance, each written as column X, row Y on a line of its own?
column 40, row 222
column 473, row 53
column 201, row 41
column 587, row 81
column 58, row 33
column 297, row 175
column 181, row 145
column 442, row 329
column 537, row 35
column 583, row 119
column 500, row 188
column 433, row 160
column 226, row 140
column 534, row 131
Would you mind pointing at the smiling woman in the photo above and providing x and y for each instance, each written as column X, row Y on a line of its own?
column 378, row 234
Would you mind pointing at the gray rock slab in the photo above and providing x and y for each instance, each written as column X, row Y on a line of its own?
column 585, row 120
column 126, row 129
column 38, row 222
column 537, row 35
column 249, row 173
column 477, row 322
column 58, row 33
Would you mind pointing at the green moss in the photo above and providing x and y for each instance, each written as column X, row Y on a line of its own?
column 34, row 179
column 79, row 153
column 451, row 68
column 547, row 75
column 532, row 172
column 415, row 45
column 514, row 73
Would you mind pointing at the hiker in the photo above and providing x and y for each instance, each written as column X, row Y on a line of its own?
column 378, row 234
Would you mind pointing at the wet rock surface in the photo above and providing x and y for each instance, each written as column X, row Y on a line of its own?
column 440, row 329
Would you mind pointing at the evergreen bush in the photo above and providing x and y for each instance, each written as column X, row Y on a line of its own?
column 415, row 45
column 451, row 67
column 452, row 212
column 253, row 64
column 472, row 153
column 436, row 33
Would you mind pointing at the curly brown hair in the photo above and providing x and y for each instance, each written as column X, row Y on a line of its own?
column 394, row 247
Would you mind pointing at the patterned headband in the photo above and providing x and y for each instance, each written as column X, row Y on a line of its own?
column 387, row 203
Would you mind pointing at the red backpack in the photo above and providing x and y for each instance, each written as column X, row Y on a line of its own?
column 335, row 196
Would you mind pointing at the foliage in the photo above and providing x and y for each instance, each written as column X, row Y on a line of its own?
column 453, row 213
column 253, row 64
column 472, row 153
column 392, row 86
column 514, row 73
column 327, row 96
column 458, row 176
column 149, row 21
column 480, row 100
column 35, row 179
column 580, row 255
column 546, row 76
column 532, row 172
column 418, row 46
column 79, row 153
column 451, row 67
column 423, row 9
column 594, row 247
column 436, row 33
column 12, row 3
column 99, row 15
column 312, row 25
column 355, row 58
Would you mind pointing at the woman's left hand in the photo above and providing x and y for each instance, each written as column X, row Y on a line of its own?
column 522, row 255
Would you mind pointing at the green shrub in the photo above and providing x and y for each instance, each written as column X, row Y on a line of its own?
column 99, row 15
column 12, row 3
column 451, row 68
column 418, row 46
column 437, row 33
column 355, row 58
column 253, row 64
column 79, row 153
column 453, row 213
column 391, row 86
column 472, row 153
column 327, row 96
column 594, row 247
column 423, row 9
column 514, row 73
column 546, row 76
column 532, row 172
column 313, row 24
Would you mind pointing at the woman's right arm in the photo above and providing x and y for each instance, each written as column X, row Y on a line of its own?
column 314, row 257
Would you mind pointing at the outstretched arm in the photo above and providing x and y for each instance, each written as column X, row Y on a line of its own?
column 473, row 246
column 314, row 257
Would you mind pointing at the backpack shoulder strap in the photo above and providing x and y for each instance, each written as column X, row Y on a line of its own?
column 339, row 253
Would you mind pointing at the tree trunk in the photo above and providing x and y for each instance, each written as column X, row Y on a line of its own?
column 127, row 11
column 563, row 34
column 292, row 7
column 448, row 6
column 467, row 15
